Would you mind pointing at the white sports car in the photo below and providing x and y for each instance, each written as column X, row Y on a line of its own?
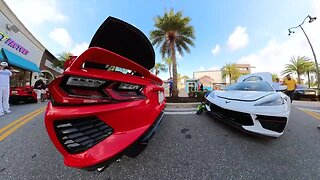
column 252, row 104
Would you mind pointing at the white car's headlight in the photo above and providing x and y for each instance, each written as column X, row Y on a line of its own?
column 273, row 102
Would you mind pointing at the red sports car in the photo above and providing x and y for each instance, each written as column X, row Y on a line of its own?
column 107, row 104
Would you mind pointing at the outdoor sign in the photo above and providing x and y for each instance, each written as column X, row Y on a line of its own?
column 10, row 42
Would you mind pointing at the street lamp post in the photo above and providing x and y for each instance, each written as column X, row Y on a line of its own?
column 311, row 19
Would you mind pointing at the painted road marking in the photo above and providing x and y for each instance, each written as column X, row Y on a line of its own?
column 311, row 113
column 20, row 119
column 10, row 128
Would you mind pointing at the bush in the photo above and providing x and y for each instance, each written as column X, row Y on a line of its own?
column 200, row 94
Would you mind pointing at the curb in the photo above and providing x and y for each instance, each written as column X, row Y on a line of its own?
column 186, row 106
column 180, row 109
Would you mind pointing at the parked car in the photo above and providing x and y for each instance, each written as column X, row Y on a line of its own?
column 106, row 104
column 305, row 93
column 252, row 105
column 25, row 94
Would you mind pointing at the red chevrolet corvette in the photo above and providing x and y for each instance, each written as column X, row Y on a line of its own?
column 107, row 104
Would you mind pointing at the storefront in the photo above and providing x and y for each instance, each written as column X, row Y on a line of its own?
column 20, row 49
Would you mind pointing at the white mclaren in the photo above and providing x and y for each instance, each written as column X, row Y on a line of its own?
column 253, row 104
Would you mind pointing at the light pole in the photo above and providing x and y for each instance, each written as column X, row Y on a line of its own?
column 311, row 19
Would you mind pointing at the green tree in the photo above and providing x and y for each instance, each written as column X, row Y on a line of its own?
column 168, row 62
column 297, row 65
column 62, row 57
column 158, row 67
column 274, row 77
column 309, row 68
column 230, row 70
column 173, row 34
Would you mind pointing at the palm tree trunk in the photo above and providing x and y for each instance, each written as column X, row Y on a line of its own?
column 229, row 78
column 157, row 72
column 174, row 70
column 298, row 78
column 170, row 74
column 308, row 72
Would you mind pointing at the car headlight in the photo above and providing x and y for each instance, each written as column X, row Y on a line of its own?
column 273, row 102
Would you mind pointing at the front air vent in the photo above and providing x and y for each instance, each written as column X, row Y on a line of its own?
column 78, row 135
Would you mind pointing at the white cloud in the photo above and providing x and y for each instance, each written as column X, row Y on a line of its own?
column 238, row 39
column 215, row 68
column 36, row 12
column 61, row 36
column 178, row 55
column 201, row 68
column 216, row 49
column 273, row 57
column 79, row 48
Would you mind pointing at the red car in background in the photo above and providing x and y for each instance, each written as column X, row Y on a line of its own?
column 25, row 94
column 107, row 104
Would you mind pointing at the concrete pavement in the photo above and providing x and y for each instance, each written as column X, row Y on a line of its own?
column 185, row 147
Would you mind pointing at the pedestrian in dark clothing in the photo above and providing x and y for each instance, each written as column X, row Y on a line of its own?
column 170, row 86
column 201, row 87
column 39, row 88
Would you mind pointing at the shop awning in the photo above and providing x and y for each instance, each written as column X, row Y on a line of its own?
column 20, row 62
column 1, row 56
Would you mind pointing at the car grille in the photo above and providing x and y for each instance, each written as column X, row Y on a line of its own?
column 233, row 116
column 272, row 123
column 78, row 135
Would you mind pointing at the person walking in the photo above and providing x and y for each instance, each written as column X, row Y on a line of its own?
column 38, row 88
column 170, row 86
column 5, row 74
column 291, row 86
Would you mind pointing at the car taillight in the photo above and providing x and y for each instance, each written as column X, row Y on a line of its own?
column 81, row 90
column 84, row 82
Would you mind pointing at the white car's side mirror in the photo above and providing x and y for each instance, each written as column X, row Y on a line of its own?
column 282, row 88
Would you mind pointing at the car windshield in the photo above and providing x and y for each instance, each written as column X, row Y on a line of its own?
column 250, row 86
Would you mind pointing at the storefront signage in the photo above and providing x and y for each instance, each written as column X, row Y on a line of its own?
column 10, row 42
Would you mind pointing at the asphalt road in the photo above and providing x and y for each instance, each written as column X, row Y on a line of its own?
column 185, row 147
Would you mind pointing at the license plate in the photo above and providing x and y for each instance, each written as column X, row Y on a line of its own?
column 14, row 92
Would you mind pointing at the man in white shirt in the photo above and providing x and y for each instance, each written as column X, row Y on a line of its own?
column 4, row 88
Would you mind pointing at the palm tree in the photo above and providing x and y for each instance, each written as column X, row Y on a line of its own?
column 168, row 62
column 62, row 57
column 297, row 66
column 231, row 71
column 309, row 68
column 158, row 67
column 173, row 34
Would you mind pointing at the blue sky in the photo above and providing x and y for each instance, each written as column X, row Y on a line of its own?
column 246, row 31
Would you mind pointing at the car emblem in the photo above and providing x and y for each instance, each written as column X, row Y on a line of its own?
column 227, row 102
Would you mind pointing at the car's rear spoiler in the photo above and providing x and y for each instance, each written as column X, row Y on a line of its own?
column 103, row 56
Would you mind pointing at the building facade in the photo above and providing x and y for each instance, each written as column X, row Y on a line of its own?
column 215, row 76
column 21, row 49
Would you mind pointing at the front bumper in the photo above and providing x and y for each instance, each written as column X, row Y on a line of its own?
column 261, row 124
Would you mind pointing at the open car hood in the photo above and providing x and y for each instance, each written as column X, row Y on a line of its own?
column 126, row 40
